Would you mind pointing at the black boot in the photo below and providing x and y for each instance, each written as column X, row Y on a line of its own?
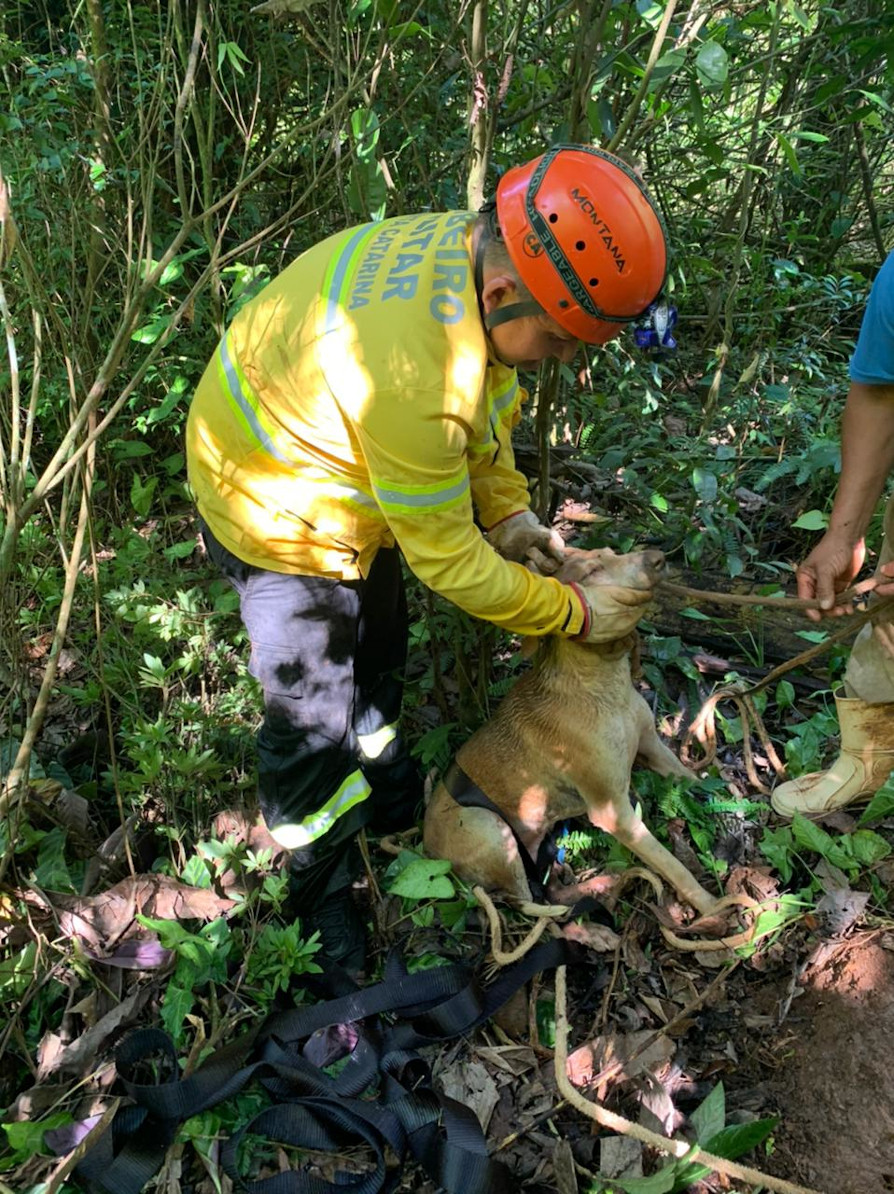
column 342, row 933
column 320, row 894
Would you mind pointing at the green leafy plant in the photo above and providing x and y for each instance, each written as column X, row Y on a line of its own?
column 713, row 1135
column 277, row 955
column 201, row 959
column 850, row 852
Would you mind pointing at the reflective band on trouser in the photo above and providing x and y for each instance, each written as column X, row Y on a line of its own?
column 353, row 791
column 373, row 744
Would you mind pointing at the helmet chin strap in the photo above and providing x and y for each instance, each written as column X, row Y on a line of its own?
column 514, row 311
column 500, row 315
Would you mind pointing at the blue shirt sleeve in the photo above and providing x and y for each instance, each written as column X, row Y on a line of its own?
column 873, row 359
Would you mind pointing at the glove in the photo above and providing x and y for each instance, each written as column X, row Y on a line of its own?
column 612, row 611
column 517, row 536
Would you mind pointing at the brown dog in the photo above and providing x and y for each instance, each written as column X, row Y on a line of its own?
column 561, row 744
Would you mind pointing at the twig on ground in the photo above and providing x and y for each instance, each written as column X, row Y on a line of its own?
column 496, row 931
column 617, row 1123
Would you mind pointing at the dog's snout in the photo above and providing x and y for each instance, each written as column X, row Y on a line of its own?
column 654, row 562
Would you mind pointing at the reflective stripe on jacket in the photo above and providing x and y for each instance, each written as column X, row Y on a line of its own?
column 352, row 404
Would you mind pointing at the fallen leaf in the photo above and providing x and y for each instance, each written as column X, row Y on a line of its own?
column 590, row 1060
column 841, row 909
column 81, row 1055
column 620, row 1157
column 657, row 1111
column 104, row 920
column 470, row 1084
column 514, row 1059
column 73, row 810
column 756, row 881
column 596, row 937
column 563, row 1168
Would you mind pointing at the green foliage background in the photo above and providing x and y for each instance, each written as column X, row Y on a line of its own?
column 160, row 162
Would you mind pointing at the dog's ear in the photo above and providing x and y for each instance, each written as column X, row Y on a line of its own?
column 579, row 565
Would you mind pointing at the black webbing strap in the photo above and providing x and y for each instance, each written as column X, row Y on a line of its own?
column 466, row 792
column 376, row 1032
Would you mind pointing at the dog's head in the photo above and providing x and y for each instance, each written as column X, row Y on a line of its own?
column 602, row 566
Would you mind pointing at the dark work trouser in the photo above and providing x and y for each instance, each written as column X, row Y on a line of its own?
column 330, row 657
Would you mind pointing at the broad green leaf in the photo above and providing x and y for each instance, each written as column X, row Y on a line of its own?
column 710, row 1115
column 196, row 873
column 812, row 636
column 666, row 66
column 661, row 1182
column 26, row 1136
column 868, row 847
column 424, row 879
column 813, row 520
column 650, row 11
column 696, row 107
column 141, row 495
column 357, row 9
column 9, row 748
column 179, row 551
column 788, row 152
column 695, row 614
column 712, row 65
column 787, row 908
column 881, row 805
column 409, row 29
column 153, row 330
column 130, row 449
column 777, row 846
column 177, row 1006
column 818, row 138
column 704, row 482
column 777, row 392
column 365, row 130
column 601, row 118
column 51, row 871
column 785, row 694
column 172, row 271
column 736, row 1139
column 878, row 101
column 17, row 972
column 812, row 837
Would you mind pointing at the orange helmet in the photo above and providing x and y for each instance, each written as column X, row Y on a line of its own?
column 585, row 237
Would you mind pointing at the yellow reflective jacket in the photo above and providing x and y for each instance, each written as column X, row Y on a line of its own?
column 352, row 405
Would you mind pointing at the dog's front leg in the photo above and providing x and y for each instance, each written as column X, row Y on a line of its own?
column 618, row 817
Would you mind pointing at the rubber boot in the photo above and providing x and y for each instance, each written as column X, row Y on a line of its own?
column 864, row 764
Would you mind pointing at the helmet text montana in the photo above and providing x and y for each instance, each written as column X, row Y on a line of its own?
column 585, row 203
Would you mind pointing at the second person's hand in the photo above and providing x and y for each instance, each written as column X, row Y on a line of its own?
column 827, row 571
